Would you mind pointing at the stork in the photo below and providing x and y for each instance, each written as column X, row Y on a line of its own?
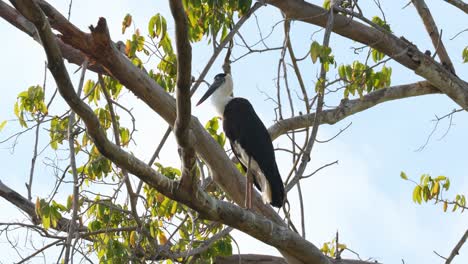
column 250, row 141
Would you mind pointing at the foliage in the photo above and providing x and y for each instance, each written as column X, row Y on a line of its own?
column 49, row 213
column 212, row 126
column 361, row 78
column 322, row 53
column 432, row 189
column 332, row 248
column 30, row 102
column 58, row 131
column 209, row 17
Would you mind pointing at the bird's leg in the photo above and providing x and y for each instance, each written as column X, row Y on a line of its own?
column 248, row 187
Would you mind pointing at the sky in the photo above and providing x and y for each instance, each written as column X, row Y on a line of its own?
column 362, row 197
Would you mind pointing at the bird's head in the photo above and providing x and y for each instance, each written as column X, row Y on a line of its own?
column 222, row 85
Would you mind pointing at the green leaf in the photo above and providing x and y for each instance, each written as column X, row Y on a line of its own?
column 46, row 221
column 127, row 21
column 446, row 185
column 465, row 54
column 244, row 6
column 157, row 26
column 426, row 193
column 377, row 55
column 315, row 49
column 69, row 202
column 435, row 189
column 2, row 125
column 59, row 206
column 124, row 136
column 403, row 175
column 16, row 109
column 342, row 72
column 417, row 194
column 174, row 208
column 377, row 20
column 440, row 178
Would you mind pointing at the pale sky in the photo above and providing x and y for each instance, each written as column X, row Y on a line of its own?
column 362, row 197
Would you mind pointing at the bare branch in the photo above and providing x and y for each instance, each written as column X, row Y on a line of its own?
column 24, row 260
column 433, row 32
column 456, row 249
column 459, row 4
column 76, row 186
column 350, row 107
column 321, row 90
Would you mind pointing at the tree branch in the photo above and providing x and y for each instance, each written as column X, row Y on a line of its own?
column 456, row 249
column 396, row 48
column 76, row 186
column 28, row 207
column 19, row 21
column 459, row 4
column 433, row 32
column 183, row 104
column 266, row 259
column 350, row 107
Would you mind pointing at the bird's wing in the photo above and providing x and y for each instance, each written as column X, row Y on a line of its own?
column 242, row 125
column 241, row 161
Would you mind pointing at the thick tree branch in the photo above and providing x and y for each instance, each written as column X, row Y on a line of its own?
column 266, row 259
column 250, row 259
column 350, row 107
column 433, row 32
column 401, row 51
column 19, row 21
column 28, row 207
column 459, row 4
column 183, row 104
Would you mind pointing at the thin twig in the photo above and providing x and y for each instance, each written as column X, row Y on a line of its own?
column 306, row 155
column 76, row 187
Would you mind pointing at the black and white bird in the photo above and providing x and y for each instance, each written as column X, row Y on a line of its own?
column 250, row 141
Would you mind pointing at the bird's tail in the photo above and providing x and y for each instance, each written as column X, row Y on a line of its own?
column 277, row 193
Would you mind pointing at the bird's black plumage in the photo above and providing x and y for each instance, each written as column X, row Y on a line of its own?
column 242, row 126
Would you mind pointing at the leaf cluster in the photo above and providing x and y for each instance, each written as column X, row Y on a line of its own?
column 30, row 102
column 432, row 188
column 361, row 78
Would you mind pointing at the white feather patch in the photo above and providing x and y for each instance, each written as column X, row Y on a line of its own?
column 258, row 174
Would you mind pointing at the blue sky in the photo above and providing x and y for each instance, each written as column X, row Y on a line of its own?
column 362, row 197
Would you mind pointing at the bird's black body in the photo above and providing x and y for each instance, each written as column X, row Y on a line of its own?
column 244, row 128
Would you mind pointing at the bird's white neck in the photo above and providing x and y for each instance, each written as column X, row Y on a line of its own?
column 223, row 95
column 220, row 101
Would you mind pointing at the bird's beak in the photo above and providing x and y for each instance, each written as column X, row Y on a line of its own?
column 210, row 91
